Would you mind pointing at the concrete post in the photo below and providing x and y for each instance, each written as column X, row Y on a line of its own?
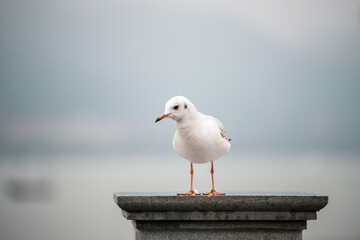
column 233, row 216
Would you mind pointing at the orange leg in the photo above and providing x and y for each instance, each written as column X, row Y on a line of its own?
column 191, row 192
column 213, row 192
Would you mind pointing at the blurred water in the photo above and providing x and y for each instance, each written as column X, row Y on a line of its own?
column 73, row 197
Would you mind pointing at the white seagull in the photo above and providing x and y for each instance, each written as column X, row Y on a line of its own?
column 198, row 138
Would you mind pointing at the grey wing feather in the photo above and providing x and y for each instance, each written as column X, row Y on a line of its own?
column 221, row 128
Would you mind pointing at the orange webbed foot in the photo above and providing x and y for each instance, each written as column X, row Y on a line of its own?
column 213, row 193
column 189, row 193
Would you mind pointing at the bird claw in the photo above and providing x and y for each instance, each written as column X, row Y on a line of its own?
column 213, row 193
column 189, row 193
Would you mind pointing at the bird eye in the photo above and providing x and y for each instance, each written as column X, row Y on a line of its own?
column 176, row 107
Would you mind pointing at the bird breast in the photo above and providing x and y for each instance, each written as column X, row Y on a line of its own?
column 202, row 144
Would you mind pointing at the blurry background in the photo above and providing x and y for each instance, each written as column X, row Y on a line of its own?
column 82, row 82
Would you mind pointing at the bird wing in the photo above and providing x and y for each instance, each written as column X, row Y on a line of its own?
column 221, row 127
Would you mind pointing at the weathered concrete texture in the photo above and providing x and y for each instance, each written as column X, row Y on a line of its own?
column 218, row 235
column 219, row 215
column 212, row 225
column 270, row 202
column 234, row 216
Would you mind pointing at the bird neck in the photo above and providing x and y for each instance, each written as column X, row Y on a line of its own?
column 186, row 125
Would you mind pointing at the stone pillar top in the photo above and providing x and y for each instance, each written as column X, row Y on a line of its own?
column 233, row 201
column 237, row 215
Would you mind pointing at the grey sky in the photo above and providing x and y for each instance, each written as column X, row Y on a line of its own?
column 279, row 74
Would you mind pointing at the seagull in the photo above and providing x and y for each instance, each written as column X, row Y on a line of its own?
column 199, row 138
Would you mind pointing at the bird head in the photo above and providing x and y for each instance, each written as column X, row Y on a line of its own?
column 177, row 108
